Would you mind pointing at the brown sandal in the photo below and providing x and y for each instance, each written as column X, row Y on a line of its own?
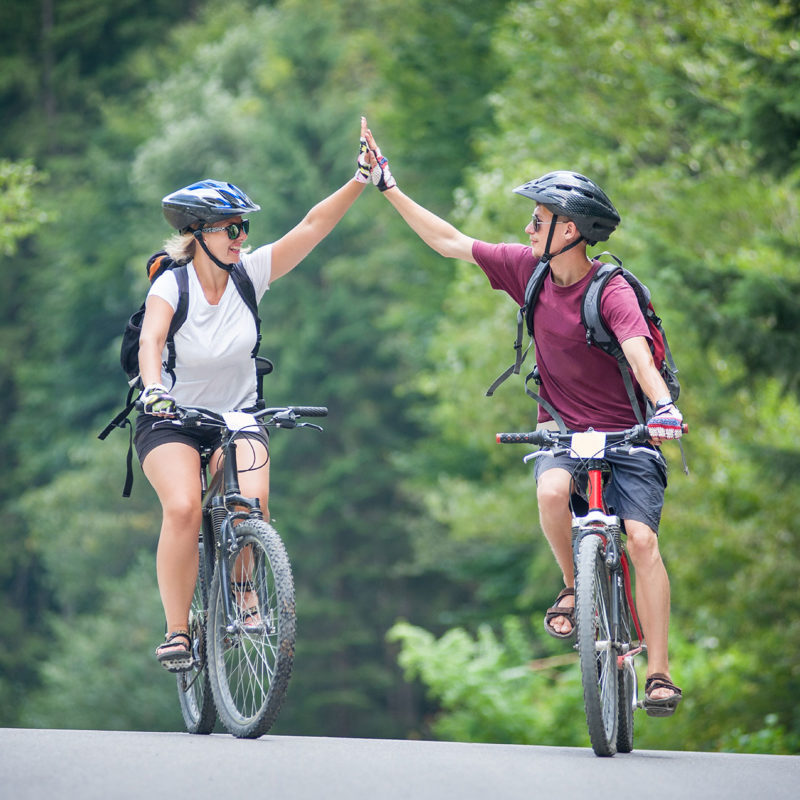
column 661, row 706
column 561, row 611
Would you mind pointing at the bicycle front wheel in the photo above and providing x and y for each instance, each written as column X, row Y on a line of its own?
column 251, row 651
column 194, row 688
column 598, row 654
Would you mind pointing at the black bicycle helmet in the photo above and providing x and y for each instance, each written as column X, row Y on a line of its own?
column 205, row 202
column 568, row 194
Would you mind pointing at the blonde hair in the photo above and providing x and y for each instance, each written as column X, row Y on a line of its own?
column 181, row 247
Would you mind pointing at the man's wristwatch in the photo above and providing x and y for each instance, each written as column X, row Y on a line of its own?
column 663, row 402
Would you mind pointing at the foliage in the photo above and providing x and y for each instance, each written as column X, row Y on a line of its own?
column 222, row 99
column 404, row 508
column 651, row 106
column 491, row 689
column 97, row 677
column 19, row 216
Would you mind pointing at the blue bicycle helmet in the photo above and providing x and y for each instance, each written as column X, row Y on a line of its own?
column 569, row 194
column 205, row 202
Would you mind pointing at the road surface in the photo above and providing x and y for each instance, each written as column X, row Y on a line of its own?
column 99, row 765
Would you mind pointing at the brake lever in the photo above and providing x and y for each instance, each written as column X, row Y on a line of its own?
column 309, row 425
column 285, row 419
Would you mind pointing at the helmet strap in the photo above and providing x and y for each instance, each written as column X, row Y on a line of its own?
column 198, row 235
column 547, row 255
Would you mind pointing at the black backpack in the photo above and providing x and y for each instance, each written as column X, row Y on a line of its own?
column 597, row 333
column 158, row 264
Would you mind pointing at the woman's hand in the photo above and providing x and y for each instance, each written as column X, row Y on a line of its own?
column 157, row 400
column 363, row 161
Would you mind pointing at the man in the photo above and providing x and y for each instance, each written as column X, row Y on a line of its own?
column 583, row 385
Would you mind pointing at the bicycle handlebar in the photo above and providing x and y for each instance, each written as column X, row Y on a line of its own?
column 638, row 434
column 279, row 416
column 298, row 411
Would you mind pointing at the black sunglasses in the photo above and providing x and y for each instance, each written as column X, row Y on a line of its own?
column 233, row 230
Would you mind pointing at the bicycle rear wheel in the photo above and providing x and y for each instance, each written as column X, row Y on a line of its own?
column 194, row 688
column 598, row 656
column 251, row 655
column 626, row 680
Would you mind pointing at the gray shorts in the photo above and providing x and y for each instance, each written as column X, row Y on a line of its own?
column 636, row 488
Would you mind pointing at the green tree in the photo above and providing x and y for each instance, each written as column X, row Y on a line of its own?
column 650, row 104
column 249, row 102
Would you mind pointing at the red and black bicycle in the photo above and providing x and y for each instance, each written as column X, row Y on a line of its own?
column 608, row 633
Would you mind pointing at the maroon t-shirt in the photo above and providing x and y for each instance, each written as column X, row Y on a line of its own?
column 582, row 383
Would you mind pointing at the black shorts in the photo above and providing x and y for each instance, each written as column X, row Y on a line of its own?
column 150, row 435
column 636, row 489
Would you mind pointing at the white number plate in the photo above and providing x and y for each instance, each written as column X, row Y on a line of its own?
column 239, row 421
column 588, row 444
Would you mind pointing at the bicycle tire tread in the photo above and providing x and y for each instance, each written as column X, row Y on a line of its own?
column 604, row 742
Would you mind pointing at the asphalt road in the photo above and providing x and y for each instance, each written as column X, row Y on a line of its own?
column 90, row 765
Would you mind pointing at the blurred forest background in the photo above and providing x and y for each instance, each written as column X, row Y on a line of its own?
column 422, row 576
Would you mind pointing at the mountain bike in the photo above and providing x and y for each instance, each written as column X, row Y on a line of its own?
column 242, row 617
column 608, row 632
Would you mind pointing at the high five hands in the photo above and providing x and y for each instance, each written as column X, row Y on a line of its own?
column 371, row 163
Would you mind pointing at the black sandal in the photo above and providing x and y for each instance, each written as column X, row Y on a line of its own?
column 561, row 611
column 171, row 657
column 661, row 706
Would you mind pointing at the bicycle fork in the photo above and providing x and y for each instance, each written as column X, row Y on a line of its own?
column 596, row 523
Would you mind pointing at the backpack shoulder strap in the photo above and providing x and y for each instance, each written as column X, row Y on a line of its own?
column 524, row 316
column 178, row 318
column 247, row 292
column 596, row 330
column 598, row 333
column 534, row 286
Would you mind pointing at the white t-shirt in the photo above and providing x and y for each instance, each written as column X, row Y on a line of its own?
column 213, row 366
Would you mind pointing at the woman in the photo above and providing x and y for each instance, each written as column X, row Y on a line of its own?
column 213, row 368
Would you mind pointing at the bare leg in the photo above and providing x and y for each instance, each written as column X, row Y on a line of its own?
column 553, row 492
column 173, row 469
column 652, row 597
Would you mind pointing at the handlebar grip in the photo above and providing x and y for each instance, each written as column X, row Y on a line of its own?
column 533, row 437
column 310, row 411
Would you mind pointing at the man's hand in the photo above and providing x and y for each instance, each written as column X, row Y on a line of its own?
column 157, row 400
column 363, row 165
column 381, row 174
column 666, row 423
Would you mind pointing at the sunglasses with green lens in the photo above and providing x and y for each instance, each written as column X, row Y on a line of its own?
column 234, row 230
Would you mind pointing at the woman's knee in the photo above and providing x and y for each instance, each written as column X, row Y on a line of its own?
column 182, row 512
